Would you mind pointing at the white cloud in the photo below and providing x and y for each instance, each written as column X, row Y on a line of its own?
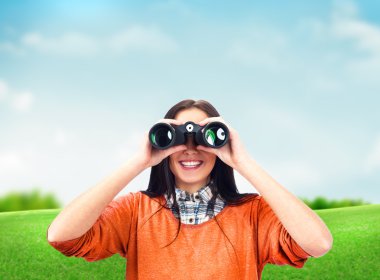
column 133, row 38
column 141, row 38
column 361, row 38
column 23, row 101
column 20, row 101
column 365, row 35
column 346, row 24
column 69, row 43
column 365, row 40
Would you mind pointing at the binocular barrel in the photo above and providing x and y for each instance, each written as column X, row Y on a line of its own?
column 163, row 135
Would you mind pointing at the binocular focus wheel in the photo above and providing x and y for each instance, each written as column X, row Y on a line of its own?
column 189, row 128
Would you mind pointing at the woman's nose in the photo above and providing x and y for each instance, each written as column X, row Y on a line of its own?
column 190, row 143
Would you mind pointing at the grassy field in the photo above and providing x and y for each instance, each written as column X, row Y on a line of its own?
column 356, row 249
column 25, row 253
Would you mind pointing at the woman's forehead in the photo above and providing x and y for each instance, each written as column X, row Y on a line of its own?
column 192, row 114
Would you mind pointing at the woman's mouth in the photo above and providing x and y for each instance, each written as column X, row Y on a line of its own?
column 190, row 165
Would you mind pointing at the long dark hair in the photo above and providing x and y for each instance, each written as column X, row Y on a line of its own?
column 222, row 180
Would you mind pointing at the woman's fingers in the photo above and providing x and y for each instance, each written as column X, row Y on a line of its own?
column 207, row 120
column 207, row 149
column 170, row 121
column 213, row 119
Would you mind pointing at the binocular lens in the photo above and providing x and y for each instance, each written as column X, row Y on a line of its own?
column 215, row 136
column 162, row 136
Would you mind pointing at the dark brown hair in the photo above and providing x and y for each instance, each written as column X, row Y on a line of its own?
column 222, row 178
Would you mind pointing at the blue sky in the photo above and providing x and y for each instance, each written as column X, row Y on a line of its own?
column 81, row 83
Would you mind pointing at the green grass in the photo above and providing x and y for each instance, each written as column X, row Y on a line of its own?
column 25, row 253
column 355, row 252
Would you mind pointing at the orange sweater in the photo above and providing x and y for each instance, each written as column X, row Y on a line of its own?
column 132, row 226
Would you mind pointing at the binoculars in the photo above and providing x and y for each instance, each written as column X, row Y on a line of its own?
column 163, row 135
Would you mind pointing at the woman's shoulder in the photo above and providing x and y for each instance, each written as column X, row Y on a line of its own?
column 246, row 200
column 254, row 207
column 139, row 198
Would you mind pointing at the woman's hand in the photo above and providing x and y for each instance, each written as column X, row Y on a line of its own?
column 233, row 153
column 149, row 156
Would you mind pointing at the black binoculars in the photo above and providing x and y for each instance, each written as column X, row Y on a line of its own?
column 163, row 135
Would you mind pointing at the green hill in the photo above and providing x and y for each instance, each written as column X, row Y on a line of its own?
column 25, row 253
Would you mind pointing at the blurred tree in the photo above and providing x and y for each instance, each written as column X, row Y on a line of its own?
column 321, row 202
column 16, row 201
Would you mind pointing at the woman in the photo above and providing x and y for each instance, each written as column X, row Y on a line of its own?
column 191, row 222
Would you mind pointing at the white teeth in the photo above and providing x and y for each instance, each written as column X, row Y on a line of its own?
column 191, row 163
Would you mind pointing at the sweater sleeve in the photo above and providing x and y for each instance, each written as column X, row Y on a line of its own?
column 108, row 236
column 276, row 246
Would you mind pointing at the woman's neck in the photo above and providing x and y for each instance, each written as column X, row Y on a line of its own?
column 192, row 188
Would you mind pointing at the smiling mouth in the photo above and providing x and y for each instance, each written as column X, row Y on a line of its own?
column 191, row 165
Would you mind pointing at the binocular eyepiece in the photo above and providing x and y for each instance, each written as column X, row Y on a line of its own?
column 163, row 135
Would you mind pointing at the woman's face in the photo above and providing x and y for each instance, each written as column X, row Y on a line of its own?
column 191, row 167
